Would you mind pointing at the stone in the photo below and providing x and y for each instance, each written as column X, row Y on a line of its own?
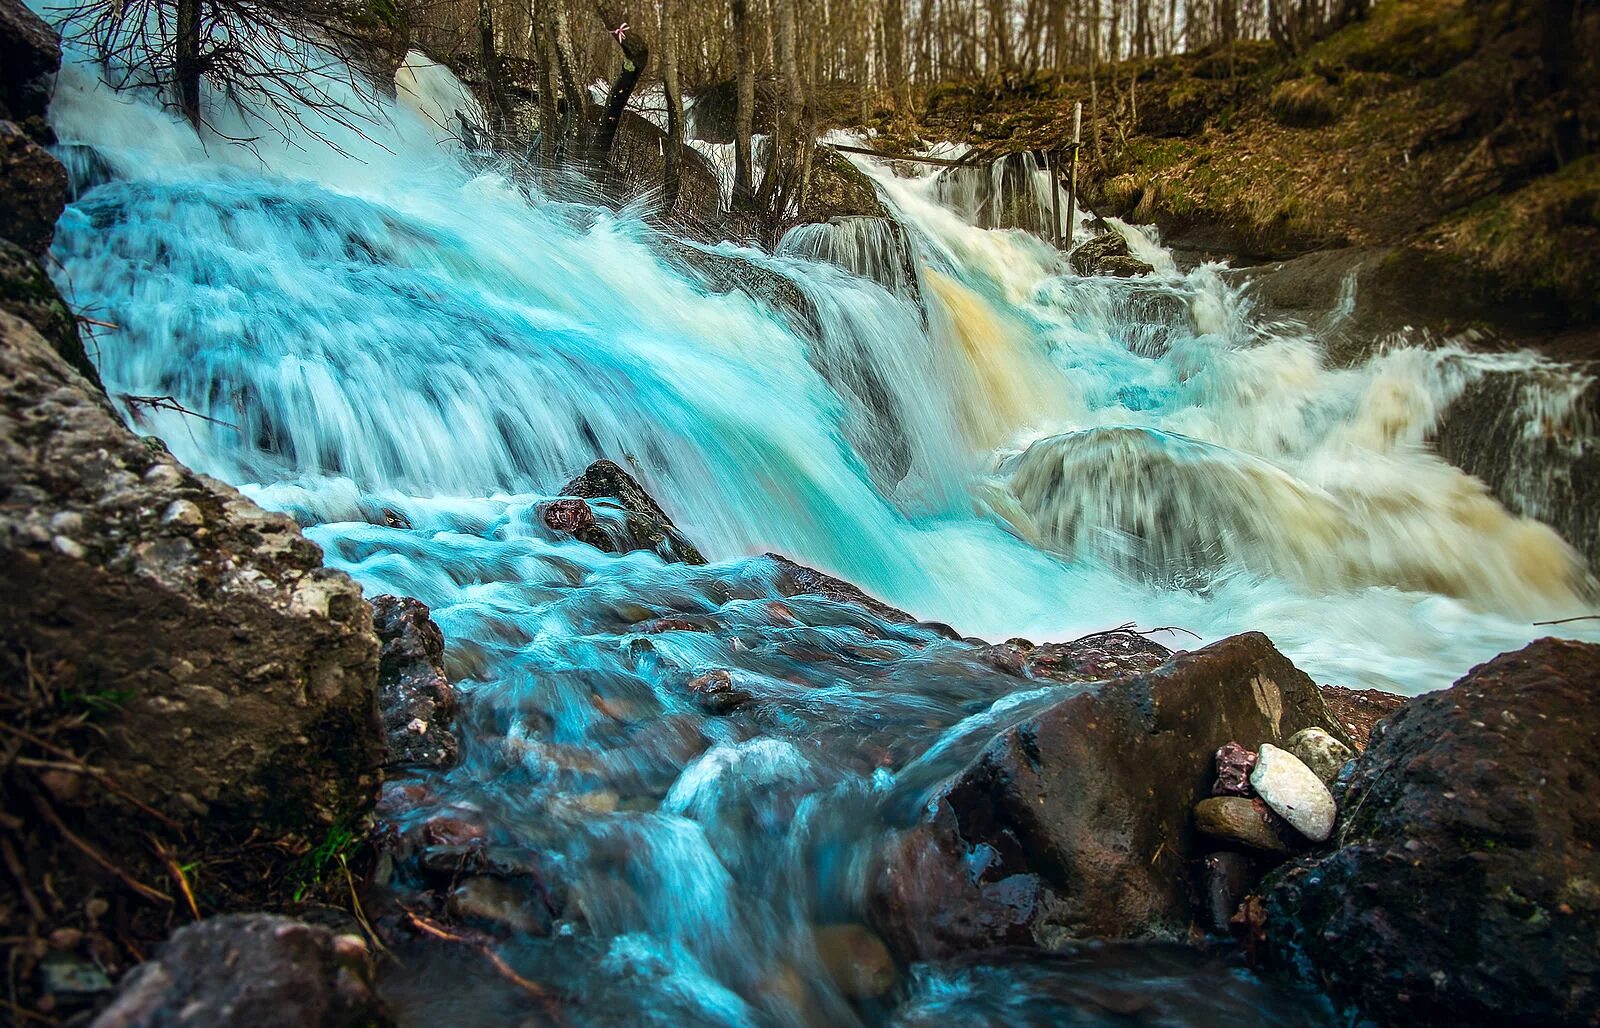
column 1357, row 710
column 1226, row 879
column 1320, row 752
column 1294, row 792
column 716, row 692
column 33, row 190
column 262, row 970
column 1077, row 822
column 1234, row 764
column 30, row 53
column 417, row 701
column 1466, row 885
column 1093, row 658
column 500, row 905
column 1107, row 254
column 570, row 516
column 798, row 580
column 225, row 674
column 1243, row 820
column 641, row 525
column 856, row 959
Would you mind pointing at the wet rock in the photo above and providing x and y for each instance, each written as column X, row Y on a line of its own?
column 499, row 905
column 1320, row 752
column 257, row 969
column 1234, row 764
column 1294, row 792
column 570, row 516
column 1077, row 822
column 716, row 692
column 218, row 672
column 1094, row 658
column 1357, row 710
column 799, row 580
column 30, row 53
column 1464, row 887
column 857, row 960
column 33, row 190
column 1242, row 820
column 417, row 701
column 643, row 525
column 1226, row 878
column 27, row 293
column 1108, row 254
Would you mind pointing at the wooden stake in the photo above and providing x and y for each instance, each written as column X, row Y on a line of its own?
column 1072, row 182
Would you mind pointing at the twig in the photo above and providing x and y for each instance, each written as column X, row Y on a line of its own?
column 356, row 909
column 105, row 778
column 95, row 855
column 85, row 319
column 1564, row 621
column 168, row 403
column 504, row 969
column 20, row 873
column 176, row 871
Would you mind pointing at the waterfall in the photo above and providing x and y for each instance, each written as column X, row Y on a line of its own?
column 411, row 351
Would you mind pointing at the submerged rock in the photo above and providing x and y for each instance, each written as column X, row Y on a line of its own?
column 1077, row 822
column 1108, row 254
column 1320, row 752
column 1466, row 886
column 857, row 960
column 1294, row 792
column 250, row 969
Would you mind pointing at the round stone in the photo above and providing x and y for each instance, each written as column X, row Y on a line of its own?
column 1319, row 751
column 1294, row 792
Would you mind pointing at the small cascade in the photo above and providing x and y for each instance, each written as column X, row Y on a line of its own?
column 873, row 248
column 1012, row 192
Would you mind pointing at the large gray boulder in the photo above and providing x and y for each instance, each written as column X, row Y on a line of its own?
column 1076, row 823
column 183, row 646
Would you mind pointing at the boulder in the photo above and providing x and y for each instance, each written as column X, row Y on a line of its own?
column 33, row 190
column 1294, row 792
column 1465, row 888
column 637, row 523
column 30, row 53
column 27, row 292
column 1077, row 822
column 1108, row 254
column 256, row 969
column 1093, row 658
column 799, row 580
column 162, row 629
column 417, row 701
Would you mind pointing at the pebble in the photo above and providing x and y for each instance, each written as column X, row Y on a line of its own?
column 1319, row 751
column 1242, row 820
column 1294, row 792
column 183, row 512
column 1234, row 763
column 857, row 959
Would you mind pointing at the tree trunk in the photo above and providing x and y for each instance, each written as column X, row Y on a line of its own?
column 635, row 57
column 566, row 63
column 498, row 111
column 186, row 66
column 669, row 84
column 745, row 108
column 894, row 42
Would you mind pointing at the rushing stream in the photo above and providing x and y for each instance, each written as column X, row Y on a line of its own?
column 409, row 354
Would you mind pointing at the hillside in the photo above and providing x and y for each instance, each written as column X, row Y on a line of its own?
column 1434, row 139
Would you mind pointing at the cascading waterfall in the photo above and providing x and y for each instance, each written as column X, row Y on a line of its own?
column 409, row 354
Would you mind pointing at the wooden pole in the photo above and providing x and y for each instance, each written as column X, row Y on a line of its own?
column 1072, row 182
column 1051, row 170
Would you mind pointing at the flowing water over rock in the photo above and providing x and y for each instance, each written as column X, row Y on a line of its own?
column 685, row 768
